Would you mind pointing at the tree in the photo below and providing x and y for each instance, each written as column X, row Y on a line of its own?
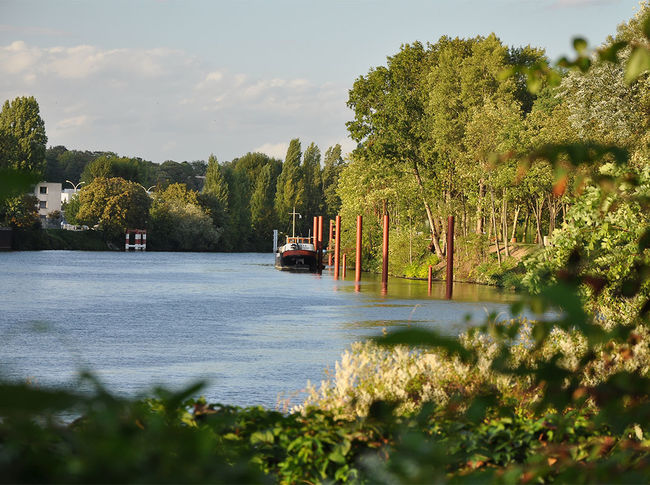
column 114, row 205
column 177, row 222
column 312, row 181
column 333, row 164
column 390, row 123
column 110, row 165
column 239, row 215
column 217, row 192
column 22, row 134
column 262, row 214
column 21, row 212
column 290, row 190
column 171, row 172
column 71, row 209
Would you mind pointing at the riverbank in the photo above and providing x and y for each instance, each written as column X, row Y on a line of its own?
column 473, row 267
column 57, row 239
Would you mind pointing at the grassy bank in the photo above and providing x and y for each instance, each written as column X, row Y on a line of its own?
column 474, row 260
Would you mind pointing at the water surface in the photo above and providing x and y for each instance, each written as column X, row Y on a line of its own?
column 140, row 319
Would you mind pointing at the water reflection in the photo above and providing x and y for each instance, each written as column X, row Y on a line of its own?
column 399, row 288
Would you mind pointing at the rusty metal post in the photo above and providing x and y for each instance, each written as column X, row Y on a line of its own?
column 337, row 247
column 345, row 263
column 319, row 246
column 429, row 280
column 329, row 244
column 384, row 266
column 315, row 232
column 357, row 265
column 450, row 257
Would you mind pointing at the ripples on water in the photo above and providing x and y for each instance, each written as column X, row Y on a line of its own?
column 141, row 319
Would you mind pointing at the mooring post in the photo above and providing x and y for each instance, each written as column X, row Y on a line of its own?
column 329, row 244
column 315, row 232
column 384, row 266
column 429, row 280
column 357, row 265
column 345, row 263
column 450, row 257
column 319, row 245
column 337, row 247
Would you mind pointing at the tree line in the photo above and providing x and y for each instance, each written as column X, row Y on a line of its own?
column 448, row 128
column 198, row 205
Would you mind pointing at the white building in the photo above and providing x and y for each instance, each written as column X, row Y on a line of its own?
column 49, row 197
column 66, row 195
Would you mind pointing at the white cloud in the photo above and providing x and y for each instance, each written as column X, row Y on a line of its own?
column 72, row 123
column 214, row 76
column 17, row 57
column 276, row 150
column 165, row 104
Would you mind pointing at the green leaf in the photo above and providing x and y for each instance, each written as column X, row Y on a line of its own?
column 610, row 54
column 265, row 436
column 645, row 27
column 638, row 63
column 579, row 44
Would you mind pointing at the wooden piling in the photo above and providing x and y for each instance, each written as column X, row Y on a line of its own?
column 315, row 232
column 337, row 247
column 319, row 246
column 357, row 265
column 384, row 266
column 345, row 264
column 329, row 244
column 430, row 280
column 450, row 257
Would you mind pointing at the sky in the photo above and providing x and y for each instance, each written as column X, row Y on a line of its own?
column 180, row 80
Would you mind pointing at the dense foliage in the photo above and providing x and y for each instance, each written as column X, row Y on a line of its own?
column 448, row 128
column 240, row 197
column 22, row 151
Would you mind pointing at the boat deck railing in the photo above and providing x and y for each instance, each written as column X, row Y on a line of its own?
column 298, row 240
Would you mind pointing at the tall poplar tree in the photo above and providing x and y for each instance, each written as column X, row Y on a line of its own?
column 216, row 193
column 22, row 132
column 312, row 180
column 333, row 164
column 262, row 214
column 290, row 191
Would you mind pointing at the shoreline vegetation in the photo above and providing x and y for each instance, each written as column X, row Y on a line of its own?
column 507, row 275
column 562, row 399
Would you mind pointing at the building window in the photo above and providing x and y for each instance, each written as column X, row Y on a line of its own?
column 42, row 204
column 42, row 189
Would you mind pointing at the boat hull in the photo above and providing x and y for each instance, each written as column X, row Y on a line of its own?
column 300, row 260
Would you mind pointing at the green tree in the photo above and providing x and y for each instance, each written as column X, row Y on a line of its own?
column 216, row 192
column 114, row 205
column 21, row 212
column 71, row 209
column 110, row 165
column 171, row 172
column 262, row 214
column 333, row 164
column 390, row 122
column 178, row 222
column 22, row 133
column 311, row 170
column 290, row 190
column 239, row 217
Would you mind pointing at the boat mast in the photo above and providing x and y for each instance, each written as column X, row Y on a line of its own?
column 294, row 214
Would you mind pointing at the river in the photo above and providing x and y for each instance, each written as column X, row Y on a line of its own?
column 141, row 319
